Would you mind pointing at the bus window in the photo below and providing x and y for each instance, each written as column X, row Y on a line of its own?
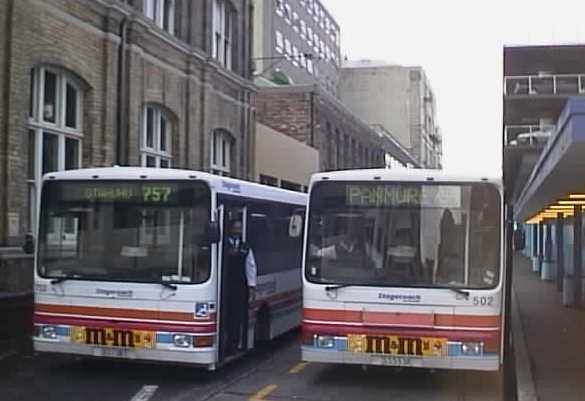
column 126, row 231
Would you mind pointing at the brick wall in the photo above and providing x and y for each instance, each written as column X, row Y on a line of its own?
column 309, row 115
column 82, row 37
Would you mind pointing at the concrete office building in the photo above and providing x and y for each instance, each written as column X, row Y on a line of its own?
column 158, row 83
column 398, row 98
column 296, row 42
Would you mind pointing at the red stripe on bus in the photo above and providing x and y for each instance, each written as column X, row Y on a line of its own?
column 121, row 313
column 401, row 318
column 99, row 323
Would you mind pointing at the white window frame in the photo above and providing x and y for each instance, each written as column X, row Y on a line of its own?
column 38, row 128
column 160, row 155
column 279, row 7
column 287, row 13
column 295, row 56
column 156, row 10
column 303, row 29
column 279, row 46
column 220, row 152
column 295, row 21
column 221, row 40
column 287, row 49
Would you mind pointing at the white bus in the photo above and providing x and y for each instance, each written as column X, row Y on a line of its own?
column 129, row 263
column 404, row 268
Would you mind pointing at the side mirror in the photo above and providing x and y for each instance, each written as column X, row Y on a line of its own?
column 214, row 232
column 29, row 244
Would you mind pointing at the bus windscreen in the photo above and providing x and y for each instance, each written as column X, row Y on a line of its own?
column 404, row 234
column 134, row 231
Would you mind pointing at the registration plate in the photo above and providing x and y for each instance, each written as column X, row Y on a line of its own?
column 397, row 345
column 107, row 337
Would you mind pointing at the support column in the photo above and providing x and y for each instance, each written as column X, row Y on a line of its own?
column 560, row 251
column 578, row 256
column 535, row 229
column 569, row 265
column 549, row 264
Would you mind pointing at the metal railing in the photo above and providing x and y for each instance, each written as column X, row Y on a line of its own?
column 513, row 131
column 538, row 85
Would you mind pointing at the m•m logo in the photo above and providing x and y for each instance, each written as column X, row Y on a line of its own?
column 95, row 336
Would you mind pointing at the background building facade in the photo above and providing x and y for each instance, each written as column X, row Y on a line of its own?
column 158, row 83
column 399, row 99
column 296, row 42
column 316, row 118
column 538, row 81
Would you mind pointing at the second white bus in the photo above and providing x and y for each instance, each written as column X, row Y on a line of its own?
column 404, row 268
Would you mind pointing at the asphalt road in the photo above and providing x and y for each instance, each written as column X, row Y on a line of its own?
column 274, row 373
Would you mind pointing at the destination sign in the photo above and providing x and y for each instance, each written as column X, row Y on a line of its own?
column 153, row 193
column 382, row 195
column 403, row 195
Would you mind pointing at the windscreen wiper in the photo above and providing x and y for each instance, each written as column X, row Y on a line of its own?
column 168, row 285
column 459, row 291
column 336, row 287
column 59, row 280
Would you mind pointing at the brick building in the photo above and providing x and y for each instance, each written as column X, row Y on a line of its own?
column 311, row 115
column 137, row 82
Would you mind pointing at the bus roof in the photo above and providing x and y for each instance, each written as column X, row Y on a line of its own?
column 409, row 175
column 219, row 184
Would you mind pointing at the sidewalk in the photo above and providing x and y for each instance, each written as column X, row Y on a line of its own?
column 15, row 323
column 554, row 336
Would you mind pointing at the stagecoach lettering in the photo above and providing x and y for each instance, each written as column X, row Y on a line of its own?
column 409, row 298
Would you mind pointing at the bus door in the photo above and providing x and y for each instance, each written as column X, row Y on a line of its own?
column 231, row 295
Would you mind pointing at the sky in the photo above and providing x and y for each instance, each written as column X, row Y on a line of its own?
column 459, row 44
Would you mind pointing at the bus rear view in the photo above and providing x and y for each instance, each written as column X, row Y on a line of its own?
column 403, row 269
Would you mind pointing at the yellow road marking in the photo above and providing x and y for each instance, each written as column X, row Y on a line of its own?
column 296, row 369
column 264, row 391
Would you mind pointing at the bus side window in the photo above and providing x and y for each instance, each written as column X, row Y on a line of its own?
column 260, row 237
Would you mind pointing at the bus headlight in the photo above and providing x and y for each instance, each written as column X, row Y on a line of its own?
column 49, row 332
column 471, row 349
column 182, row 340
column 325, row 342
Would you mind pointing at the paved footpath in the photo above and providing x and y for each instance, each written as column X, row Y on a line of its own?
column 554, row 336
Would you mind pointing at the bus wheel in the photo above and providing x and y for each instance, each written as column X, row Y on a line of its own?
column 262, row 329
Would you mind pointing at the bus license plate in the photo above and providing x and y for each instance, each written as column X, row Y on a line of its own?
column 112, row 337
column 391, row 360
column 397, row 345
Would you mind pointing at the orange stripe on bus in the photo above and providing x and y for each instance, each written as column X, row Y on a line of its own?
column 119, row 312
column 401, row 318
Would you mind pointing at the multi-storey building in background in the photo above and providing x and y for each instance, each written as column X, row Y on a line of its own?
column 158, row 83
column 399, row 99
column 538, row 80
column 296, row 42
column 297, row 64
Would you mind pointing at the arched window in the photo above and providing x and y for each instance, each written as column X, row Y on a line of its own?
column 55, row 127
column 221, row 152
column 156, row 141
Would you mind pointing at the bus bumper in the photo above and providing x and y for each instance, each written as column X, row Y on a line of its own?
column 201, row 357
column 484, row 362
